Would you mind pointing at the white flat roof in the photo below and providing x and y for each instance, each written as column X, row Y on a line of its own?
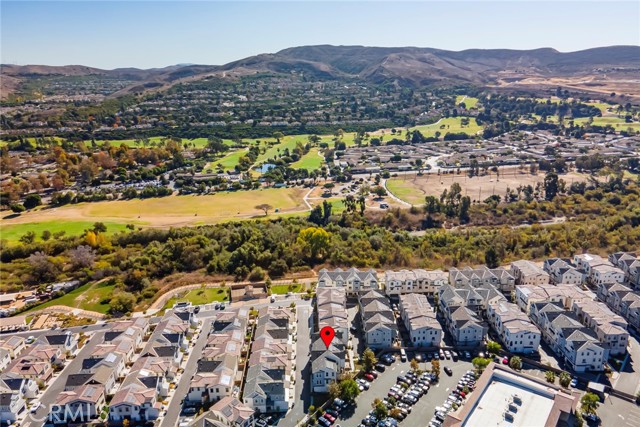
column 532, row 412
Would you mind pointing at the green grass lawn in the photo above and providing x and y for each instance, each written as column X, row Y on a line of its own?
column 469, row 101
column 309, row 161
column 284, row 289
column 227, row 162
column 87, row 297
column 618, row 123
column 451, row 124
column 13, row 232
column 200, row 296
column 402, row 189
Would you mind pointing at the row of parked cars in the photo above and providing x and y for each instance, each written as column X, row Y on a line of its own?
column 466, row 384
column 331, row 415
column 409, row 388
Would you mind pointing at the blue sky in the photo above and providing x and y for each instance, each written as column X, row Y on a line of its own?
column 149, row 34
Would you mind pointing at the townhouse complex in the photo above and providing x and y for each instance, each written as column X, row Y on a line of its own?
column 328, row 362
column 269, row 385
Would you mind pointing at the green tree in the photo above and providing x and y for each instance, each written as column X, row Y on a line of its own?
column 368, row 359
column 122, row 302
column 564, row 379
column 46, row 235
column 550, row 376
column 550, row 185
column 493, row 347
column 264, row 207
column 515, row 363
column 480, row 363
column 589, row 403
column 491, row 258
column 99, row 227
column 278, row 136
column 334, row 390
column 314, row 242
column 415, row 366
column 349, row 389
column 28, row 237
column 32, row 200
column 380, row 409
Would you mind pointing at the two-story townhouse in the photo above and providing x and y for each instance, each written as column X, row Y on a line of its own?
column 14, row 344
column 232, row 413
column 80, row 405
column 134, row 402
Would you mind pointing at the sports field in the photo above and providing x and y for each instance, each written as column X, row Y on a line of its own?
column 413, row 189
column 451, row 124
column 310, row 161
column 172, row 210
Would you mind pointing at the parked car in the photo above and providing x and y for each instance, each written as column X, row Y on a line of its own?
column 505, row 361
column 380, row 367
column 441, row 354
column 373, row 373
column 574, row 382
column 447, row 354
column 368, row 377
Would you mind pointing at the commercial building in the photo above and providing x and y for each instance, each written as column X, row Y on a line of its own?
column 505, row 398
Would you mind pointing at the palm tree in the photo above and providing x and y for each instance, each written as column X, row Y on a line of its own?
column 550, row 376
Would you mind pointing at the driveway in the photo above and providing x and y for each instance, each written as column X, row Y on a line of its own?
column 302, row 393
column 175, row 404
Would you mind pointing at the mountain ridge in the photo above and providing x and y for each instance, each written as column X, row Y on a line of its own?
column 411, row 66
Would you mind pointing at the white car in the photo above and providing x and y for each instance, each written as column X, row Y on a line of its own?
column 35, row 407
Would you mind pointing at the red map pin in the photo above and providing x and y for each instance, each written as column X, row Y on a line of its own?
column 327, row 333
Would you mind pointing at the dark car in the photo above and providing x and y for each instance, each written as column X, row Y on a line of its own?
column 448, row 370
column 380, row 367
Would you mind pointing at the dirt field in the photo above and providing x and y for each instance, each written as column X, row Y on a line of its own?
column 413, row 189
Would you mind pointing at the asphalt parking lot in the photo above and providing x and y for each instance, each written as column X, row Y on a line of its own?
column 618, row 412
column 423, row 410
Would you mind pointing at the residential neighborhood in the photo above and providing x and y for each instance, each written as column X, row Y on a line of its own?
column 208, row 366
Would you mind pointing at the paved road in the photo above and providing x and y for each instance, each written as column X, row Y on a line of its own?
column 175, row 404
column 628, row 380
column 57, row 384
column 302, row 392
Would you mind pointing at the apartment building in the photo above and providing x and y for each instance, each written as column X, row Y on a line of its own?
column 629, row 263
column 414, row 281
column 328, row 363
column 565, row 294
column 599, row 270
column 378, row 320
column 268, row 385
column 517, row 333
column 563, row 271
column 610, row 328
column 353, row 280
column 529, row 274
column 570, row 339
column 419, row 317
column 499, row 277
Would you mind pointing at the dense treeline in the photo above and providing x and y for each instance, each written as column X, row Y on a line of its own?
column 605, row 218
